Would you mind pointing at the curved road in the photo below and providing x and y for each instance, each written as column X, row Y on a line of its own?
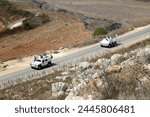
column 83, row 53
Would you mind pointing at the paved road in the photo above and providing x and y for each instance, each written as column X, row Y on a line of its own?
column 86, row 52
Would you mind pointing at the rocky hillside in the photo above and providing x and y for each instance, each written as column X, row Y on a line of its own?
column 121, row 76
column 9, row 13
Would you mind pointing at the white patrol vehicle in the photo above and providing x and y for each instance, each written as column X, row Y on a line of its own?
column 42, row 61
column 109, row 41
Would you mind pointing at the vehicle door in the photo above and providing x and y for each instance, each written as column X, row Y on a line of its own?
column 43, row 62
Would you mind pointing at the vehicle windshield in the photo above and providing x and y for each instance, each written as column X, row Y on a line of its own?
column 38, row 60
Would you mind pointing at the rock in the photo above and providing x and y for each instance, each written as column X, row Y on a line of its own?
column 58, row 78
column 3, row 65
column 117, row 59
column 143, row 55
column 96, row 75
column 90, row 97
column 70, row 95
column 59, row 95
column 128, row 63
column 66, row 78
column 147, row 67
column 126, row 55
column 114, row 69
column 59, row 86
column 98, row 82
column 74, row 98
column 65, row 73
column 85, row 65
column 61, row 48
column 103, row 63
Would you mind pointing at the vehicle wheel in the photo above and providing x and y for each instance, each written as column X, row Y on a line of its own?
column 113, row 44
column 109, row 45
column 39, row 67
column 49, row 64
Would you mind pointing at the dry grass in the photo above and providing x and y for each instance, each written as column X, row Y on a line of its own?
column 125, row 85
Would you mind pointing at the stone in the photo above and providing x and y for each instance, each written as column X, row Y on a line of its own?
column 143, row 55
column 59, row 86
column 117, row 59
column 65, row 73
column 85, row 65
column 114, row 69
column 147, row 67
column 102, row 63
column 74, row 98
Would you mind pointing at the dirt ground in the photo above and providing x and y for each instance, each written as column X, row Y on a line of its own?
column 61, row 32
column 64, row 31
column 128, row 12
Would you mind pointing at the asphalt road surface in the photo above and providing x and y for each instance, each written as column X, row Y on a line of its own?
column 83, row 53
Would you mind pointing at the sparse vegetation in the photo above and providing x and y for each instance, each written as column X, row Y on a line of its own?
column 131, row 83
column 99, row 32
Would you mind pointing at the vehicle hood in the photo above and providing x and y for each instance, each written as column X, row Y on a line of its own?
column 104, row 41
column 35, row 63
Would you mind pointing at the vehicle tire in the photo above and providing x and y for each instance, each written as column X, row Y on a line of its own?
column 39, row 67
column 49, row 64
column 113, row 44
column 109, row 45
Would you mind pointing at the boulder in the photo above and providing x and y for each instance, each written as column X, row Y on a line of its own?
column 65, row 73
column 147, row 67
column 117, row 59
column 143, row 55
column 85, row 65
column 102, row 63
column 74, row 98
column 114, row 69
column 128, row 63
column 59, row 86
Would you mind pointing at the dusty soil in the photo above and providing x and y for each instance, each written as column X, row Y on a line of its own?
column 2, row 26
column 64, row 31
column 61, row 32
column 128, row 12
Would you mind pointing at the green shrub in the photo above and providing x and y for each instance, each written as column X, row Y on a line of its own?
column 3, row 2
column 27, row 24
column 99, row 31
column 24, row 13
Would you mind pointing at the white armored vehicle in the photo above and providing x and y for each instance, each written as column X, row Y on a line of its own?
column 109, row 41
column 42, row 61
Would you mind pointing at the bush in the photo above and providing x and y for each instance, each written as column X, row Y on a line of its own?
column 99, row 31
column 27, row 24
column 24, row 13
column 3, row 2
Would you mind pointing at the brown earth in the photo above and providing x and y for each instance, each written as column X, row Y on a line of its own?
column 61, row 32
column 2, row 26
column 64, row 31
